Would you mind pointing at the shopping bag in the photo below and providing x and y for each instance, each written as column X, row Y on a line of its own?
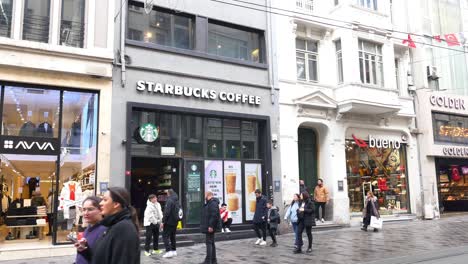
column 376, row 222
column 179, row 225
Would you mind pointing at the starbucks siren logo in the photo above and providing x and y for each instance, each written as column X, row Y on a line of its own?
column 213, row 174
column 149, row 132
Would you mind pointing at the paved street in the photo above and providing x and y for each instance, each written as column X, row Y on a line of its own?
column 427, row 242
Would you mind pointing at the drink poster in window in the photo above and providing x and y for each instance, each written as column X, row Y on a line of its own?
column 253, row 181
column 233, row 189
column 214, row 178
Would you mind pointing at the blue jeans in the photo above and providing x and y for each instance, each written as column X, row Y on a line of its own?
column 294, row 225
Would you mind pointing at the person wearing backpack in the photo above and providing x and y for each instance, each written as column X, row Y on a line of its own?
column 171, row 217
column 273, row 220
column 209, row 225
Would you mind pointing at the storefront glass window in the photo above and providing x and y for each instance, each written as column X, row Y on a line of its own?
column 5, row 18
column 145, row 128
column 170, row 132
column 160, row 27
column 72, row 23
column 381, row 170
column 78, row 159
column 249, row 140
column 234, row 43
column 31, row 112
column 192, row 129
column 232, row 137
column 36, row 21
column 214, row 137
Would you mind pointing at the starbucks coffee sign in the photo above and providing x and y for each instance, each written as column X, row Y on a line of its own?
column 149, row 132
column 187, row 91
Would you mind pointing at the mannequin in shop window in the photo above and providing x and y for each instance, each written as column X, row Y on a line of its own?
column 5, row 200
column 33, row 182
column 45, row 129
column 75, row 136
column 70, row 197
column 28, row 129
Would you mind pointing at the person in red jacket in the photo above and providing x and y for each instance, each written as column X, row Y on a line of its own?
column 226, row 218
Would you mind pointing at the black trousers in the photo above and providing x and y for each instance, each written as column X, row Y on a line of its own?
column 272, row 232
column 300, row 230
column 169, row 232
column 152, row 231
column 210, row 248
column 262, row 227
column 228, row 223
column 50, row 218
column 317, row 211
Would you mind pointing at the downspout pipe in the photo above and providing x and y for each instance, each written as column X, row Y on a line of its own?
column 270, row 51
column 123, row 15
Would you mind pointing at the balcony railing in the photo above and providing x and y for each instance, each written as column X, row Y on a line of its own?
column 307, row 5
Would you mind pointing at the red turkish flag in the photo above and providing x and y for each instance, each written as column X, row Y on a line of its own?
column 410, row 42
column 452, row 40
column 437, row 38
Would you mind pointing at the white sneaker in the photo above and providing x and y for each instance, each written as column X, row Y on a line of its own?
column 168, row 254
column 222, row 230
column 258, row 241
column 323, row 220
column 174, row 253
column 263, row 243
column 227, row 230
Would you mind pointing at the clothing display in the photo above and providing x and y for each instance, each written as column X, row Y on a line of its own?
column 45, row 130
column 70, row 196
column 5, row 201
column 28, row 129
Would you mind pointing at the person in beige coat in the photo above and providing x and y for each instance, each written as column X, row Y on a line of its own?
column 321, row 199
column 152, row 220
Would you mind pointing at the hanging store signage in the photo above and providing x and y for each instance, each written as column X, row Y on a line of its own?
column 447, row 102
column 149, row 132
column 187, row 91
column 377, row 142
column 29, row 145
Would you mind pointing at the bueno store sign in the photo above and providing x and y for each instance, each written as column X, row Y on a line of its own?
column 187, row 91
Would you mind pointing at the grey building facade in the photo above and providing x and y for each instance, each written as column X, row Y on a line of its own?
column 193, row 107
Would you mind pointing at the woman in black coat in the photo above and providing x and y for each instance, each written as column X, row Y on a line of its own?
column 120, row 244
column 306, row 219
column 371, row 208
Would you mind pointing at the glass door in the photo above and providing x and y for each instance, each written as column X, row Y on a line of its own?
column 193, row 191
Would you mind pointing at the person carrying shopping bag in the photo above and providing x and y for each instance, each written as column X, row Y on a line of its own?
column 370, row 209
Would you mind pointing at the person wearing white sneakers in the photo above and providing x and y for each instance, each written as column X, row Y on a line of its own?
column 169, row 225
column 226, row 217
column 321, row 198
column 152, row 221
column 260, row 218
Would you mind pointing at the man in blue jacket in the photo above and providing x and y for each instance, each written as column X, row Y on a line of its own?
column 209, row 225
column 260, row 218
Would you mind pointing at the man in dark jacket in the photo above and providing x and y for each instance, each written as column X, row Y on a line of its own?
column 169, row 225
column 260, row 218
column 303, row 187
column 209, row 225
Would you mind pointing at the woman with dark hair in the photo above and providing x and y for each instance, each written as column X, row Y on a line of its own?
column 305, row 215
column 371, row 208
column 120, row 244
column 91, row 215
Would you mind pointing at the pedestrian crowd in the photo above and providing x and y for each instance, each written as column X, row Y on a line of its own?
column 112, row 233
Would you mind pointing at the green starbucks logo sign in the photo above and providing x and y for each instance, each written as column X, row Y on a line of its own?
column 149, row 132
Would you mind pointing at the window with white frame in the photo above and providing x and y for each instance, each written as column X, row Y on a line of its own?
column 5, row 17
column 305, row 4
column 306, row 60
column 72, row 24
column 339, row 60
column 371, row 4
column 370, row 63
column 36, row 20
column 397, row 73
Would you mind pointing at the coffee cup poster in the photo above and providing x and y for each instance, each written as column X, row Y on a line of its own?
column 214, row 178
column 233, row 189
column 253, row 181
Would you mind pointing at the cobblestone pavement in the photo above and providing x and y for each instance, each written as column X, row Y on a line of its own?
column 349, row 245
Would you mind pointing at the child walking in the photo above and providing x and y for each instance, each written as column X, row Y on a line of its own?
column 273, row 219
